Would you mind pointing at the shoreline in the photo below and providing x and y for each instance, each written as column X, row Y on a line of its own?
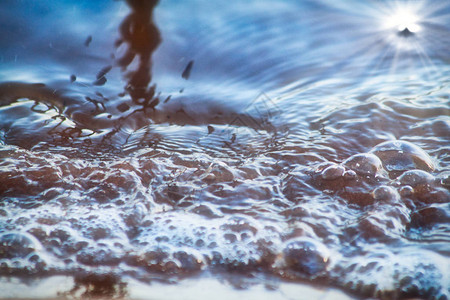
column 203, row 287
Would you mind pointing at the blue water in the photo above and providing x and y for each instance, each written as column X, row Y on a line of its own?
column 303, row 141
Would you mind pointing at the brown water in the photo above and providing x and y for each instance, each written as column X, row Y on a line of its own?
column 255, row 143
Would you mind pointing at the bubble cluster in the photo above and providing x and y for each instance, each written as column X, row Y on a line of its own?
column 173, row 216
column 393, row 204
column 236, row 242
column 399, row 276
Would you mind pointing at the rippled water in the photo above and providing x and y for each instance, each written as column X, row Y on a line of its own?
column 259, row 142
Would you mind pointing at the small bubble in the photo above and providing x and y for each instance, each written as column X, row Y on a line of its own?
column 307, row 256
column 231, row 238
column 445, row 179
column 415, row 177
column 189, row 262
column 163, row 238
column 98, row 257
column 385, row 193
column 212, row 245
column 364, row 164
column 98, row 232
column 350, row 174
column 406, row 191
column 200, row 243
column 429, row 216
column 333, row 172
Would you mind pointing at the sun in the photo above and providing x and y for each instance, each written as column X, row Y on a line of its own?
column 404, row 20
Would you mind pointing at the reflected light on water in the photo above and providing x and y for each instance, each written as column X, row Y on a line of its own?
column 404, row 20
column 409, row 28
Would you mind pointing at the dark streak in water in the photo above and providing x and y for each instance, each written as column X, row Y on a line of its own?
column 88, row 41
column 187, row 70
column 101, row 79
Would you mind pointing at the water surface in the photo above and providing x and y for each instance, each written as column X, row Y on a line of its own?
column 258, row 143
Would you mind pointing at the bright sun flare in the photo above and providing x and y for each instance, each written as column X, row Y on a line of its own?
column 404, row 20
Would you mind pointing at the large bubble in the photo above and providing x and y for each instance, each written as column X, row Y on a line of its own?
column 401, row 156
column 17, row 245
